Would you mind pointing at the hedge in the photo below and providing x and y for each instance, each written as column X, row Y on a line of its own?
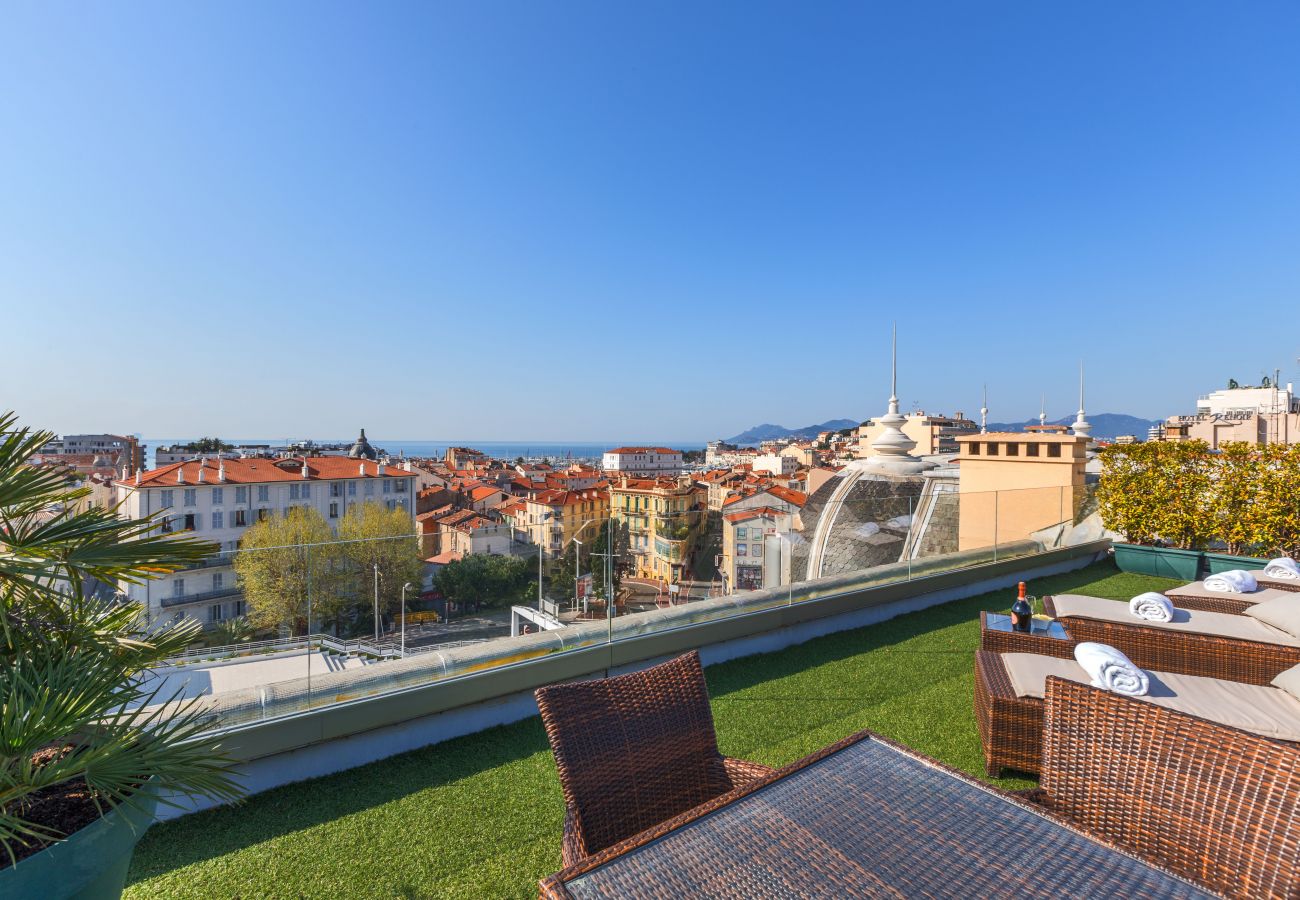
column 1243, row 497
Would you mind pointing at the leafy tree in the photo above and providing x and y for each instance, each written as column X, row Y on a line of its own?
column 72, row 666
column 276, row 571
column 210, row 445
column 377, row 537
column 611, row 534
column 485, row 579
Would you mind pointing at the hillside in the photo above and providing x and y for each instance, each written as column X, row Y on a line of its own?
column 1105, row 426
column 769, row 432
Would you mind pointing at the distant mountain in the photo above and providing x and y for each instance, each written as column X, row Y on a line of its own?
column 1105, row 426
column 769, row 432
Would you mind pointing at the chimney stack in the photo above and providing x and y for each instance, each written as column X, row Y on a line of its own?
column 221, row 469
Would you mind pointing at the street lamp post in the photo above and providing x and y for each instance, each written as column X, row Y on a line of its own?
column 376, row 603
column 577, row 558
column 405, row 588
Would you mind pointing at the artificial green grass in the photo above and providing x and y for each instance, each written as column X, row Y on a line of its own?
column 480, row 816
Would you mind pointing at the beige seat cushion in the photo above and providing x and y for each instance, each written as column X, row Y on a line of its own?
column 1289, row 681
column 1282, row 612
column 1199, row 590
column 1256, row 708
column 1195, row 621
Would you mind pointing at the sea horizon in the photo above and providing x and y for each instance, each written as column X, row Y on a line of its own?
column 437, row 447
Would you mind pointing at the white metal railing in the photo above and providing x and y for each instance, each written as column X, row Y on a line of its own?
column 277, row 645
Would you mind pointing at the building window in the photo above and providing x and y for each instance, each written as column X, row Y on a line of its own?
column 388, row 486
column 263, row 492
column 401, row 485
column 262, row 514
column 178, row 587
column 214, row 613
column 758, row 550
column 293, row 492
column 352, row 488
column 239, row 607
column 1053, row 449
column 217, row 579
column 190, row 496
column 370, row 488
column 240, row 518
column 218, row 520
column 165, row 500
column 742, row 533
column 742, row 549
column 191, row 522
column 306, row 492
column 992, row 449
column 334, row 510
column 241, row 495
column 336, row 489
column 1031, row 449
column 218, row 496
column 1013, row 449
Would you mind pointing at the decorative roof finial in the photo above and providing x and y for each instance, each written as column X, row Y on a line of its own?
column 984, row 412
column 1082, row 427
column 892, row 450
column 1042, row 411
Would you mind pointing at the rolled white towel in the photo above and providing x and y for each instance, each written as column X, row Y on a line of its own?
column 1282, row 567
column 1234, row 581
column 1111, row 670
column 1152, row 606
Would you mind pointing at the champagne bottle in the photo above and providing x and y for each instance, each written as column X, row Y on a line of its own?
column 1021, row 614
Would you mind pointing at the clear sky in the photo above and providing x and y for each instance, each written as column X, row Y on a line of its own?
column 620, row 221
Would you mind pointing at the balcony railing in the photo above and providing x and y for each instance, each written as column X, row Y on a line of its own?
column 216, row 560
column 200, row 597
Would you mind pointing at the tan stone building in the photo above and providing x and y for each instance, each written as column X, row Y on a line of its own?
column 663, row 517
column 932, row 434
column 1013, row 484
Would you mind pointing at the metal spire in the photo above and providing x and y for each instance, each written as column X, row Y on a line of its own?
column 984, row 412
column 1082, row 427
column 1042, row 411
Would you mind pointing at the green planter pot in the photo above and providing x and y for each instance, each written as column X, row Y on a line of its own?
column 1163, row 561
column 1223, row 562
column 90, row 865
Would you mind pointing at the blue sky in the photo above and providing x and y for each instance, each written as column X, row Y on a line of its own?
column 612, row 221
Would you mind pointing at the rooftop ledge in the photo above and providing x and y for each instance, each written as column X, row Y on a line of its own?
column 283, row 734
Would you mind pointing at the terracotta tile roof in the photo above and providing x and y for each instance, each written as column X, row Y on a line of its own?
column 483, row 492
column 762, row 512
column 643, row 450
column 262, row 471
column 447, row 556
column 568, row 498
column 789, row 495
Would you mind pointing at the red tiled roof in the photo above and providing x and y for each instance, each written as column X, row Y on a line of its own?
column 643, row 450
column 261, row 471
column 763, row 512
column 557, row 497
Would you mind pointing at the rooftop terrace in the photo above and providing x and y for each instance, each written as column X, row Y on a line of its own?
column 481, row 815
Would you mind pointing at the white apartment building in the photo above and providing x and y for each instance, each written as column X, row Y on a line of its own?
column 643, row 461
column 219, row 500
column 776, row 464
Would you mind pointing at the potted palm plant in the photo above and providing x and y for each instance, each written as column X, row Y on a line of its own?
column 88, row 746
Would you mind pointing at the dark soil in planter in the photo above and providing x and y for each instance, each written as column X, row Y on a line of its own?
column 67, row 808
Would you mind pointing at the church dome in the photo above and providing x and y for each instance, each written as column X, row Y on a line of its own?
column 362, row 449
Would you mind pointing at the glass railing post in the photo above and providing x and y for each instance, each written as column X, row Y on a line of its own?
column 995, row 525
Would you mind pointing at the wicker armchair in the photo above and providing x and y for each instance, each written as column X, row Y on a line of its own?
column 634, row 750
column 1218, row 806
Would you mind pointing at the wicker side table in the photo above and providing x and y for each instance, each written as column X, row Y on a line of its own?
column 1046, row 637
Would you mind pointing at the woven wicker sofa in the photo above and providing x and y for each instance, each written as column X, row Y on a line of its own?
column 1196, row 595
column 1010, row 721
column 1224, row 811
column 1152, row 646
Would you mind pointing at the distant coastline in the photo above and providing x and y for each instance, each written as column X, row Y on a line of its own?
column 435, row 448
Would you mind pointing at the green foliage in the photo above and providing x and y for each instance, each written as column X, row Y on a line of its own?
column 236, row 630
column 382, row 539
column 276, row 571
column 75, row 707
column 612, row 534
column 209, row 445
column 485, row 579
column 1245, row 496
